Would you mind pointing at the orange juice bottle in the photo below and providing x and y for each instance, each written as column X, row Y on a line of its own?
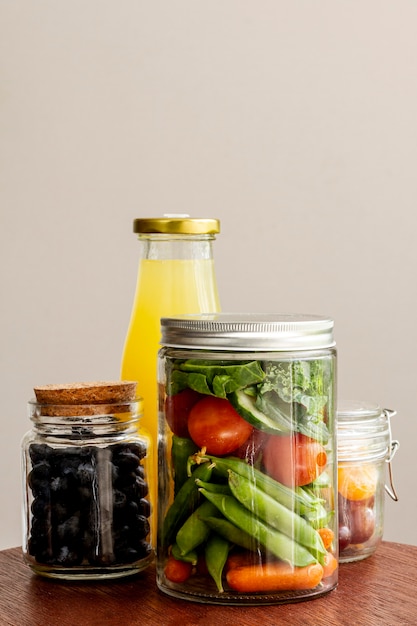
column 176, row 276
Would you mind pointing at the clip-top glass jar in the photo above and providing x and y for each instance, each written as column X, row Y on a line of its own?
column 365, row 449
column 86, row 512
column 247, row 458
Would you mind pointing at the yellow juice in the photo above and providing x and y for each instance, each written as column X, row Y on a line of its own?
column 164, row 288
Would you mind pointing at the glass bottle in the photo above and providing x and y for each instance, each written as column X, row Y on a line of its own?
column 176, row 275
column 261, row 527
column 365, row 451
column 86, row 513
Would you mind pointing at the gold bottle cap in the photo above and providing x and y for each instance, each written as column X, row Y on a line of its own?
column 177, row 224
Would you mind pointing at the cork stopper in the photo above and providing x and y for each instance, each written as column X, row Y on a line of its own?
column 86, row 398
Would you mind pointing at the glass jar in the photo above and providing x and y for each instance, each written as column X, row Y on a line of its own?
column 365, row 449
column 176, row 275
column 84, row 467
column 247, row 458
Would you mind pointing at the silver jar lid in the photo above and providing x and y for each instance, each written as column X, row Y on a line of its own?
column 247, row 332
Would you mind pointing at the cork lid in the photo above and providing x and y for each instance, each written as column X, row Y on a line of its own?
column 86, row 398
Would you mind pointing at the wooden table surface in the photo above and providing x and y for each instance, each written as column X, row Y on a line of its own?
column 381, row 590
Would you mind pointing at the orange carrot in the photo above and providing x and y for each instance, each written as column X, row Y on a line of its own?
column 177, row 571
column 330, row 565
column 327, row 536
column 279, row 576
column 240, row 559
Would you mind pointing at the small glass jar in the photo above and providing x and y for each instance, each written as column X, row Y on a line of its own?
column 247, row 458
column 365, row 448
column 86, row 513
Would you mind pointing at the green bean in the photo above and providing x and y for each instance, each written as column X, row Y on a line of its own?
column 190, row 557
column 195, row 531
column 277, row 543
column 184, row 503
column 232, row 533
column 294, row 499
column 275, row 514
column 181, row 449
column 216, row 552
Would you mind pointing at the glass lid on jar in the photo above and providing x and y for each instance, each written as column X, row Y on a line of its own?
column 357, row 410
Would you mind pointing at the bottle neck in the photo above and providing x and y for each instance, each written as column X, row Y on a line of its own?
column 186, row 247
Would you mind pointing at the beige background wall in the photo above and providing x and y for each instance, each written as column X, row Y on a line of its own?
column 293, row 122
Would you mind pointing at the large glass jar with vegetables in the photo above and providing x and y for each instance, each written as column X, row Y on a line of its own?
column 247, row 467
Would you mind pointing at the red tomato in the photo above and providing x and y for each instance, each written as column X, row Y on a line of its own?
column 214, row 424
column 177, row 409
column 177, row 571
column 251, row 449
column 294, row 460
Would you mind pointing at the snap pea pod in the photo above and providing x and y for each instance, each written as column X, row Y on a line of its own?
column 294, row 499
column 190, row 557
column 232, row 533
column 184, row 503
column 214, row 487
column 273, row 540
column 320, row 518
column 275, row 514
column 216, row 553
column 181, row 449
column 195, row 531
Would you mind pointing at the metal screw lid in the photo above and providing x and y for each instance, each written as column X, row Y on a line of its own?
column 176, row 224
column 248, row 332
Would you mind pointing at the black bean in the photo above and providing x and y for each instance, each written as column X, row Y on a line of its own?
column 127, row 555
column 144, row 549
column 41, row 470
column 85, row 494
column 40, row 507
column 68, row 556
column 144, row 507
column 125, row 479
column 138, row 490
column 41, row 528
column 138, row 448
column 140, row 527
column 126, row 460
column 85, row 473
column 70, row 529
column 119, row 499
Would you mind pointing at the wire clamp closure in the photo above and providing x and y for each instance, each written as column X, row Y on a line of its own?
column 394, row 444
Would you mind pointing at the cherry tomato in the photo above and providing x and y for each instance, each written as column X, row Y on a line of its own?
column 177, row 571
column 357, row 482
column 344, row 523
column 214, row 424
column 177, row 410
column 362, row 524
column 344, row 538
column 294, row 460
column 356, row 521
